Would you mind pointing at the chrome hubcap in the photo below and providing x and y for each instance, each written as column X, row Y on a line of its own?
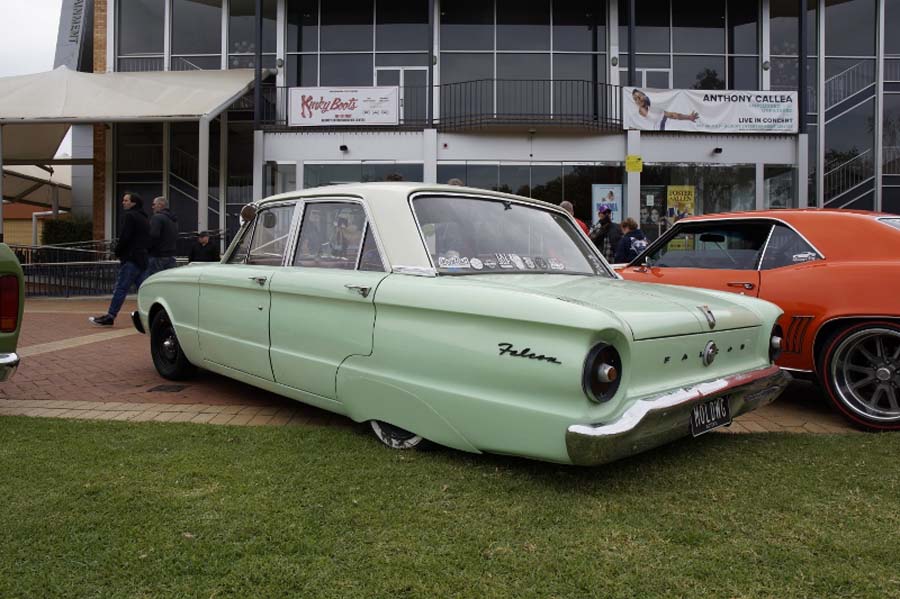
column 170, row 347
column 866, row 374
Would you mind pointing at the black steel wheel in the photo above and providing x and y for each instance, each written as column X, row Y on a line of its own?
column 168, row 357
column 860, row 370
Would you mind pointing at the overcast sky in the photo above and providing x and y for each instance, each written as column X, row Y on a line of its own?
column 28, row 35
column 28, row 31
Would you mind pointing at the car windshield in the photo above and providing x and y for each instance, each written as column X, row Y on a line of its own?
column 478, row 236
column 894, row 222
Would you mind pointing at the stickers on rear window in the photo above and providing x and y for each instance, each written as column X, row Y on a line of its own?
column 454, row 262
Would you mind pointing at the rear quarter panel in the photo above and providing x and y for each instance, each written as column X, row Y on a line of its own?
column 436, row 367
column 826, row 290
column 9, row 264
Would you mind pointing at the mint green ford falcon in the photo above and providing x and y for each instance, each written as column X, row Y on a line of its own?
column 477, row 320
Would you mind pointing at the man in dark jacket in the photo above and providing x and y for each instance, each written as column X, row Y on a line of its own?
column 203, row 250
column 633, row 242
column 163, row 237
column 606, row 234
column 131, row 250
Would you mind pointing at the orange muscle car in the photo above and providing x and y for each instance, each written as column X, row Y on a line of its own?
column 836, row 275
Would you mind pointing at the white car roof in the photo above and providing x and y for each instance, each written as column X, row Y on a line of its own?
column 390, row 215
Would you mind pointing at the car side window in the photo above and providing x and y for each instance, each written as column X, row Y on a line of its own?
column 722, row 245
column 370, row 259
column 786, row 248
column 239, row 255
column 270, row 236
column 330, row 235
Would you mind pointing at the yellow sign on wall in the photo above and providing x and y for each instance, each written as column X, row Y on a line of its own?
column 634, row 163
column 680, row 203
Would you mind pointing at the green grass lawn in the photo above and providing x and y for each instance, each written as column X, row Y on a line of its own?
column 107, row 509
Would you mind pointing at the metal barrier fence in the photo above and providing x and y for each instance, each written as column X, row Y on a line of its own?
column 70, row 279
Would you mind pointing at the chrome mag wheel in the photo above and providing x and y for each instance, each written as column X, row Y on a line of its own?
column 395, row 437
column 865, row 374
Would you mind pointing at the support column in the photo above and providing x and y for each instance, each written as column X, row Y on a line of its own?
column 760, row 186
column 429, row 156
column 879, row 111
column 104, row 43
column 203, row 176
column 258, row 163
column 803, row 170
column 632, row 29
column 632, row 206
column 299, row 176
column 765, row 37
column 54, row 200
column 1, row 183
column 223, row 179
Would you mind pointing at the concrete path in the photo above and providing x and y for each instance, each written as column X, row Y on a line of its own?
column 72, row 369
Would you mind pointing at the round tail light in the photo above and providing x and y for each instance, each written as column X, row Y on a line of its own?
column 602, row 373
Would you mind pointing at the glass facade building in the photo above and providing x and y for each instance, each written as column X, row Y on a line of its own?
column 514, row 95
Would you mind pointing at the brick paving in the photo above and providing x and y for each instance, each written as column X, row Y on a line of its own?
column 71, row 369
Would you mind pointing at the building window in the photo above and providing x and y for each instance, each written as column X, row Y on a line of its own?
column 140, row 35
column 523, row 24
column 242, row 33
column 401, row 25
column 693, row 44
column 780, row 186
column 347, row 26
column 467, row 25
column 197, row 27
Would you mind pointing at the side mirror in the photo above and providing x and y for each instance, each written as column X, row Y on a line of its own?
column 248, row 213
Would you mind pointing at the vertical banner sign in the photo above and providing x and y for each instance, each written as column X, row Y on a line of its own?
column 681, row 200
column 327, row 106
column 608, row 195
column 75, row 22
column 710, row 111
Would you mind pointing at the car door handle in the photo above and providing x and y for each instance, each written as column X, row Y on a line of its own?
column 743, row 284
column 260, row 280
column 363, row 290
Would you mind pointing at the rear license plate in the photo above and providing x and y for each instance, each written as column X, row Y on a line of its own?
column 710, row 414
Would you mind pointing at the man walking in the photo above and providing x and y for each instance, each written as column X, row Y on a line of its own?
column 163, row 237
column 606, row 234
column 131, row 250
column 203, row 250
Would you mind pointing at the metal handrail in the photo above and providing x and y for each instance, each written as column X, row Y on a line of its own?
column 848, row 175
column 849, row 82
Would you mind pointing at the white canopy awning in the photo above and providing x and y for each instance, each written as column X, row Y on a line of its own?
column 36, row 110
column 66, row 96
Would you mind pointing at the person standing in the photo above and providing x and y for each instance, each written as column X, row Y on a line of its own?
column 568, row 207
column 203, row 250
column 633, row 242
column 606, row 234
column 163, row 237
column 131, row 250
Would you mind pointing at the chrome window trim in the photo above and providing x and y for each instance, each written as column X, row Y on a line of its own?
column 270, row 206
column 665, row 237
column 765, row 247
column 476, row 196
column 246, row 229
column 329, row 199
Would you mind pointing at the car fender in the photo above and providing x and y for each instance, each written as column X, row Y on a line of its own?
column 379, row 400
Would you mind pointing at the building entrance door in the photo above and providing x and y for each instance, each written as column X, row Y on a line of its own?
column 413, row 84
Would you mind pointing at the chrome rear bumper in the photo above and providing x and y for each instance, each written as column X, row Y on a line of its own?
column 657, row 420
column 8, row 365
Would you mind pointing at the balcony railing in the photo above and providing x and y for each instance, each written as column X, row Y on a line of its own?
column 487, row 103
